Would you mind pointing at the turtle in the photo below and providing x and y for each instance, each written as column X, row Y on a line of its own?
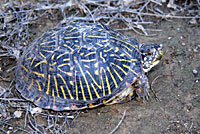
column 83, row 65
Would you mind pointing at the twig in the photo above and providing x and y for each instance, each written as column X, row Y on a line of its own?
column 13, row 99
column 153, row 82
column 118, row 123
column 78, row 112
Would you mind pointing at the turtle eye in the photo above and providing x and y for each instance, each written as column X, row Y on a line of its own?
column 149, row 53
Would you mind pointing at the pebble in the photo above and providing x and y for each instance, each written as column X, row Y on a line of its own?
column 183, row 44
column 195, row 72
column 169, row 38
column 193, row 21
column 18, row 114
column 35, row 110
column 195, row 50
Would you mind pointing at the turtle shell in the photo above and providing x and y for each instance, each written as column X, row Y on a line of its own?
column 77, row 66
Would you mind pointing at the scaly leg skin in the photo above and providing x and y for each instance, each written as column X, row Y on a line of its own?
column 142, row 87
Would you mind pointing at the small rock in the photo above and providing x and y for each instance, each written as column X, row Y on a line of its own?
column 18, row 114
column 183, row 44
column 195, row 72
column 195, row 50
column 35, row 110
column 10, row 128
column 193, row 21
column 169, row 38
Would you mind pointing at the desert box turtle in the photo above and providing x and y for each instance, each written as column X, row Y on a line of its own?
column 84, row 65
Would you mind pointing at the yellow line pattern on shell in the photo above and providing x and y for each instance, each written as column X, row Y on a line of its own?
column 113, row 55
column 68, row 41
column 49, row 46
column 130, row 69
column 67, row 59
column 101, row 77
column 42, row 55
column 53, row 64
column 96, row 72
column 119, row 68
column 116, row 49
column 88, row 87
column 123, row 42
column 90, row 54
column 56, row 85
column 68, row 47
column 53, row 56
column 38, row 100
column 71, row 97
column 89, row 60
column 102, row 57
column 24, row 68
column 73, row 37
column 95, row 90
column 61, row 55
column 31, row 84
column 122, row 60
column 43, row 61
column 53, row 33
column 47, row 42
column 29, row 58
column 127, row 53
column 126, row 47
column 133, row 59
column 93, row 80
column 105, row 40
column 118, row 75
column 100, row 29
column 83, row 93
column 107, row 49
column 38, row 73
column 32, row 61
column 87, row 66
column 48, row 84
column 71, row 33
column 61, row 65
column 39, row 86
column 99, row 44
column 72, row 29
column 113, row 78
column 48, row 51
column 107, row 82
column 68, row 73
column 63, row 92
column 76, row 86
column 53, row 94
column 91, row 36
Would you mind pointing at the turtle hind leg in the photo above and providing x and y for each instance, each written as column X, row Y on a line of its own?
column 142, row 87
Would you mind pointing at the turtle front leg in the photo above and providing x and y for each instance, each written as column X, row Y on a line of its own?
column 142, row 87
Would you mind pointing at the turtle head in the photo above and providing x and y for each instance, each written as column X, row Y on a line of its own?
column 152, row 54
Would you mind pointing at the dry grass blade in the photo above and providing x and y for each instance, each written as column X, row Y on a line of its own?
column 120, row 122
